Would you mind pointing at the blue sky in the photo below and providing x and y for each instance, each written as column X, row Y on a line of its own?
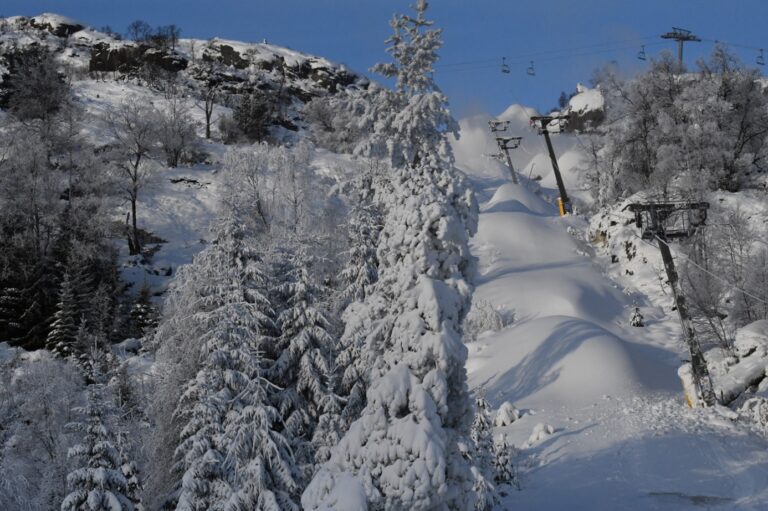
column 566, row 39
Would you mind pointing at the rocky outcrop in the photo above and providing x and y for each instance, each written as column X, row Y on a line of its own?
column 128, row 58
column 231, row 57
column 58, row 28
column 583, row 122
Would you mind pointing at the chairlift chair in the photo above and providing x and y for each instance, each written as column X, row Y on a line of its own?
column 531, row 71
column 641, row 54
column 504, row 67
column 761, row 58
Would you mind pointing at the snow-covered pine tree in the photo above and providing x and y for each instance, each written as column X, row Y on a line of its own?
column 101, row 311
column 503, row 469
column 405, row 450
column 62, row 337
column 363, row 227
column 302, row 361
column 98, row 484
column 263, row 466
column 483, row 455
column 143, row 314
column 219, row 309
column 129, row 469
column 356, row 284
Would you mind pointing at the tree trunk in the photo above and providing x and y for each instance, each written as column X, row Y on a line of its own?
column 134, row 246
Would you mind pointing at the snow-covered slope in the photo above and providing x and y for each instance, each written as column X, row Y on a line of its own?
column 623, row 438
column 179, row 204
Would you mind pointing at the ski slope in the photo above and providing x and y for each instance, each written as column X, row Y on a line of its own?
column 623, row 437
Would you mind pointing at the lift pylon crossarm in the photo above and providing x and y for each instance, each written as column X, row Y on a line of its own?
column 651, row 218
column 680, row 35
column 542, row 122
column 509, row 142
column 497, row 126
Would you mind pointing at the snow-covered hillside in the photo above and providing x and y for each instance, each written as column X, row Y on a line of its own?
column 179, row 204
column 623, row 437
column 312, row 352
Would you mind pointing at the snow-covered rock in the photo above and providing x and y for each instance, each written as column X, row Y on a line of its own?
column 128, row 346
column 540, row 432
column 752, row 339
column 586, row 99
column 506, row 415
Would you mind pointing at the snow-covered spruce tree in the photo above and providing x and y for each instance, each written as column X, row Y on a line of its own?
column 231, row 454
column 405, row 450
column 62, row 337
column 503, row 469
column 129, row 469
column 483, row 455
column 302, row 361
column 363, row 228
column 143, row 314
column 356, row 283
column 98, row 484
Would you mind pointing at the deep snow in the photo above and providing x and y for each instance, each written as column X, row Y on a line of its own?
column 623, row 437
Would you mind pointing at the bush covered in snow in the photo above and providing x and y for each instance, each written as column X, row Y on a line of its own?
column 752, row 339
column 506, row 415
column 484, row 317
column 540, row 432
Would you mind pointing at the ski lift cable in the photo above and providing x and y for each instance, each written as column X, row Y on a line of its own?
column 527, row 56
column 735, row 45
column 724, row 281
column 569, row 52
column 694, row 263
column 522, row 59
column 495, row 64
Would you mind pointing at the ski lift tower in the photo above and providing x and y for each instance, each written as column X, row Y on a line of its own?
column 663, row 222
column 563, row 203
column 680, row 35
column 505, row 144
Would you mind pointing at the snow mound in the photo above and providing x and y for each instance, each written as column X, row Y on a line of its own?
column 562, row 360
column 752, row 338
column 511, row 198
column 506, row 415
column 586, row 99
column 519, row 116
column 540, row 432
